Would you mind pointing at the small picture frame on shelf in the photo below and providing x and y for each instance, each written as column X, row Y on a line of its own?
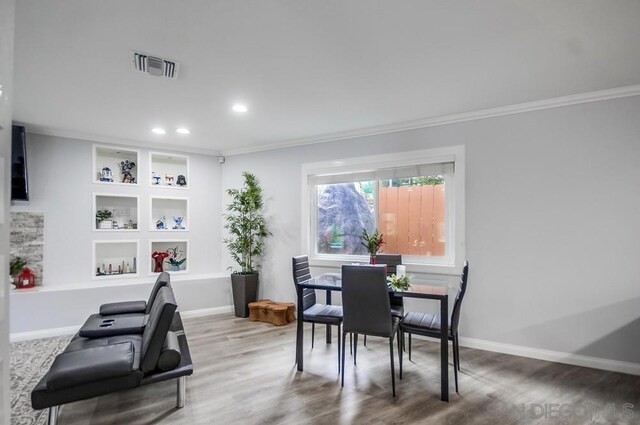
column 106, row 224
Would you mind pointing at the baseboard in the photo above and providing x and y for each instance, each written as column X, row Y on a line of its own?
column 206, row 312
column 553, row 356
column 43, row 333
column 70, row 330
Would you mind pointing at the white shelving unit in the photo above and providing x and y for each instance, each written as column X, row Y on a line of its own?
column 124, row 210
column 167, row 246
column 111, row 157
column 110, row 256
column 168, row 170
column 169, row 214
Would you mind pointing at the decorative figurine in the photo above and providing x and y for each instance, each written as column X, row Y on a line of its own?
column 182, row 180
column 161, row 224
column 106, row 175
column 178, row 221
column 125, row 169
column 158, row 261
column 168, row 179
column 155, row 177
column 27, row 279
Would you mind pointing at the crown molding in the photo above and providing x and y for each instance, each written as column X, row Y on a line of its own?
column 556, row 102
column 71, row 134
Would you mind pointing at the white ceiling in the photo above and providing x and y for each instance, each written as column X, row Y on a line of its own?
column 306, row 68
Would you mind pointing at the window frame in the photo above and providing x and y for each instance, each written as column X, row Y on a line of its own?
column 454, row 257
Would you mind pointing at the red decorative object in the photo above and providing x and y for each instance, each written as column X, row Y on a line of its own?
column 158, row 258
column 26, row 279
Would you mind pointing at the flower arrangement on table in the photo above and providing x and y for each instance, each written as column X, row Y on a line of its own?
column 373, row 242
column 398, row 283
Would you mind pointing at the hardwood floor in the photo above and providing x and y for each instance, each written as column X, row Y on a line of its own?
column 245, row 374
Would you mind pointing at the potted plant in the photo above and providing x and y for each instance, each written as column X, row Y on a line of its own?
column 373, row 242
column 247, row 230
column 398, row 283
column 175, row 259
column 15, row 267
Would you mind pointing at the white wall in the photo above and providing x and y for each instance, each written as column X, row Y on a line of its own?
column 6, row 98
column 60, row 179
column 552, row 207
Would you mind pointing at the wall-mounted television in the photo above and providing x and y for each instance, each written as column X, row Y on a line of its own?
column 19, row 180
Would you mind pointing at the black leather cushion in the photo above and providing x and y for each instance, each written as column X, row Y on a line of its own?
column 321, row 313
column 125, row 307
column 94, row 364
column 422, row 322
column 170, row 354
column 97, row 326
column 158, row 324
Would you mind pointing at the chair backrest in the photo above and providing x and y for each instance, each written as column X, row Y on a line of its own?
column 391, row 260
column 163, row 280
column 301, row 274
column 160, row 318
column 365, row 301
column 455, row 314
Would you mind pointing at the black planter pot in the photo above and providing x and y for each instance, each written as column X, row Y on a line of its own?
column 245, row 291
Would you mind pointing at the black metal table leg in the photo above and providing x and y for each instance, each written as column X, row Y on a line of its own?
column 329, row 326
column 300, row 333
column 444, row 349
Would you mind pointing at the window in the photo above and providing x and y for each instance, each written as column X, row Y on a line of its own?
column 410, row 198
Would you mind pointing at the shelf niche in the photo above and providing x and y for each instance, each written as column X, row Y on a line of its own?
column 167, row 246
column 166, row 213
column 111, row 158
column 169, row 170
column 124, row 212
column 109, row 258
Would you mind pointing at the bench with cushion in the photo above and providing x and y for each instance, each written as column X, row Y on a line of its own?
column 106, row 363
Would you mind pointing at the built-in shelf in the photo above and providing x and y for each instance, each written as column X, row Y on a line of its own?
column 166, row 250
column 169, row 170
column 115, row 166
column 114, row 212
column 115, row 259
column 169, row 214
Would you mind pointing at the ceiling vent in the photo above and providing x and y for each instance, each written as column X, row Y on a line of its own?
column 155, row 66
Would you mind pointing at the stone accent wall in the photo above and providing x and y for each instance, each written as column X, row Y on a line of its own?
column 27, row 240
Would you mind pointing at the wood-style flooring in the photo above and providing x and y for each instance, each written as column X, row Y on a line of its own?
column 245, row 374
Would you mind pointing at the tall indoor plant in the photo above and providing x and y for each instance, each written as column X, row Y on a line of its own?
column 247, row 230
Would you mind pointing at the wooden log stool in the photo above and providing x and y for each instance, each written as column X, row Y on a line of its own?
column 272, row 312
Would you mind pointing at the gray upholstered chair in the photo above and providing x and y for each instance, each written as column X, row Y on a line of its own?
column 397, row 303
column 429, row 325
column 313, row 311
column 366, row 309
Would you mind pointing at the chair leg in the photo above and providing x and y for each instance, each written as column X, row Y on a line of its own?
column 344, row 340
column 182, row 392
column 400, row 344
column 53, row 415
column 350, row 345
column 313, row 334
column 365, row 340
column 457, row 349
column 455, row 368
column 393, row 372
column 339, row 327
column 355, row 348
column 409, row 346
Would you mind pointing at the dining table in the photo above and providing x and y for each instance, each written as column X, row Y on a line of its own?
column 330, row 282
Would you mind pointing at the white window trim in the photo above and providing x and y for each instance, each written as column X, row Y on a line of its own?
column 455, row 203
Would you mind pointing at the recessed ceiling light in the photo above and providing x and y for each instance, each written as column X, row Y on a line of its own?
column 158, row 130
column 239, row 107
column 182, row 130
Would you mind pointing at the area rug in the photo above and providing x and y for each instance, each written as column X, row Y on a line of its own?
column 30, row 360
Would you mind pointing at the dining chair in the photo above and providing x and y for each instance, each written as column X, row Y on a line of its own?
column 367, row 311
column 397, row 303
column 313, row 312
column 429, row 325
